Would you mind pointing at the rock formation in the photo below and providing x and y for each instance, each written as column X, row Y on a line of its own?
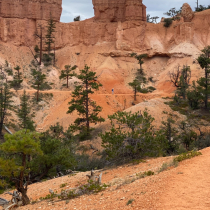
column 31, row 9
column 119, row 10
column 187, row 13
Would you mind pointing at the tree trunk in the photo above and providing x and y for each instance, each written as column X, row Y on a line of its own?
column 40, row 60
column 54, row 53
column 87, row 110
column 20, row 186
column 25, row 198
column 67, row 81
column 135, row 94
column 3, row 111
column 206, row 93
column 37, row 95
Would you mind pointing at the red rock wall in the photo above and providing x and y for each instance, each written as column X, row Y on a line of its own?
column 31, row 9
column 119, row 10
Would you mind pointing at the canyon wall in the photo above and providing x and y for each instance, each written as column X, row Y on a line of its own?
column 111, row 38
column 119, row 10
column 31, row 9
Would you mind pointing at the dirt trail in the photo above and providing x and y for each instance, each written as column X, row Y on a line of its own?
column 182, row 188
column 188, row 186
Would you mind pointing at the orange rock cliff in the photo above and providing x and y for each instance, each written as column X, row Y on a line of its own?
column 119, row 10
column 105, row 42
column 31, row 9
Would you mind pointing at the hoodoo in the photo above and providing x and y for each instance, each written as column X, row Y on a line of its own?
column 119, row 10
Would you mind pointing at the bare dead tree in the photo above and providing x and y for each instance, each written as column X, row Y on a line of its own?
column 174, row 76
column 181, row 79
column 184, row 72
column 39, row 35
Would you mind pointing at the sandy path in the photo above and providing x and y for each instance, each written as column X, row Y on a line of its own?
column 184, row 187
column 188, row 186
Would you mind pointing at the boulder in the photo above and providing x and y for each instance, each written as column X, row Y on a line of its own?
column 187, row 13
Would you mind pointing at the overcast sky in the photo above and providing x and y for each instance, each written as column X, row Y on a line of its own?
column 84, row 8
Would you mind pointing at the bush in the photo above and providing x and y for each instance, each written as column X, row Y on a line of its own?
column 187, row 155
column 92, row 187
column 78, row 18
column 130, row 202
column 201, row 8
column 167, row 22
column 132, row 136
column 202, row 142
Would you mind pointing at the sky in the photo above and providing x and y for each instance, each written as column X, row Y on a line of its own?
column 84, row 8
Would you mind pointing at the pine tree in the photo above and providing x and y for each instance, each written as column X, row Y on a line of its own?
column 23, row 113
column 67, row 73
column 204, row 82
column 81, row 102
column 38, row 82
column 140, row 80
column 193, row 96
column 136, row 87
column 5, row 99
column 49, row 36
column 14, row 165
column 140, row 60
column 58, row 150
column 17, row 78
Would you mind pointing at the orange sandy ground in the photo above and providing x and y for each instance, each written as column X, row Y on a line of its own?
column 184, row 187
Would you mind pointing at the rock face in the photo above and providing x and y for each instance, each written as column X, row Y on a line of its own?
column 119, row 10
column 187, row 13
column 31, row 9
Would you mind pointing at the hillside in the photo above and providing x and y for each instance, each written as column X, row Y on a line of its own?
column 183, row 187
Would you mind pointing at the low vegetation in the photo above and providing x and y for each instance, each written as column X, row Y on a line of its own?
column 28, row 156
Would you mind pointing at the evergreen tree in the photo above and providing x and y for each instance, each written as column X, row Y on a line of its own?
column 38, row 82
column 136, row 87
column 50, row 39
column 81, row 102
column 204, row 82
column 193, row 96
column 5, row 99
column 132, row 136
column 170, row 133
column 17, row 78
column 58, row 151
column 14, row 165
column 140, row 81
column 67, row 73
column 140, row 60
column 23, row 113
column 173, row 13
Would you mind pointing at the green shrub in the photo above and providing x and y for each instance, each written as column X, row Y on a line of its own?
column 130, row 202
column 132, row 136
column 165, row 166
column 63, row 185
column 202, row 142
column 49, row 196
column 92, row 187
column 187, row 155
column 167, row 22
column 145, row 174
